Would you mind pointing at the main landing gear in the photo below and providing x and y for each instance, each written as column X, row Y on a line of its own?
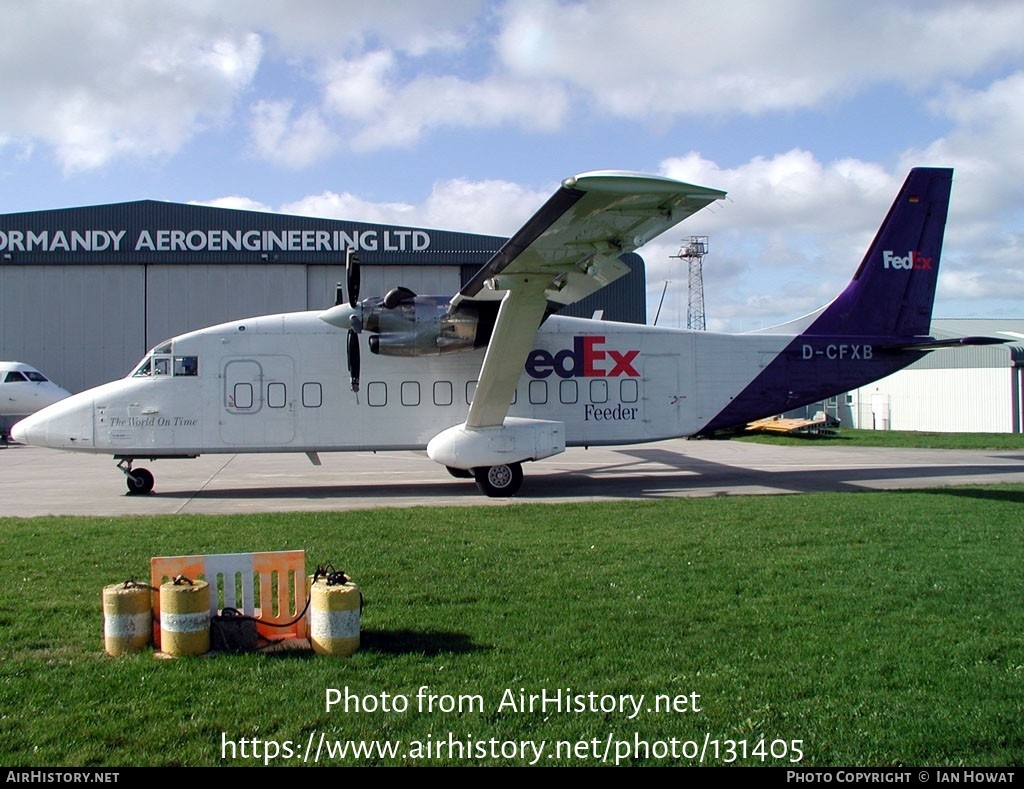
column 499, row 481
column 139, row 480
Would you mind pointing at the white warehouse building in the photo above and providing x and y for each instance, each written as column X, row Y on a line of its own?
column 969, row 389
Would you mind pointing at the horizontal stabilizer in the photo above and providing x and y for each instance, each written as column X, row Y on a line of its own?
column 929, row 344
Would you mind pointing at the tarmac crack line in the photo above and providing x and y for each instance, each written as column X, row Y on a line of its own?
column 203, row 487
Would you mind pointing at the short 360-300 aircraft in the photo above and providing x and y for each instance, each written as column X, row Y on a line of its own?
column 492, row 377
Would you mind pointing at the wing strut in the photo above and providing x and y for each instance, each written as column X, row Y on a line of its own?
column 514, row 331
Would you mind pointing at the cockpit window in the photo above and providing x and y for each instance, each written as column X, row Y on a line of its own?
column 32, row 375
column 13, row 377
column 186, row 365
column 159, row 365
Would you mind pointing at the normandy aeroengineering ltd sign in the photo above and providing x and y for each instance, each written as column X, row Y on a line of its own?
column 94, row 240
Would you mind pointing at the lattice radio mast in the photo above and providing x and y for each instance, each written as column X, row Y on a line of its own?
column 693, row 252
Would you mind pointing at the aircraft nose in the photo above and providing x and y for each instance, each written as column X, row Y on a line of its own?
column 23, row 431
column 67, row 424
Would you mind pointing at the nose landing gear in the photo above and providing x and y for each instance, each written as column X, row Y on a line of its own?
column 139, row 480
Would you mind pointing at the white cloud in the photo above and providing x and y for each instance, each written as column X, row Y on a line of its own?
column 485, row 207
column 324, row 28
column 332, row 205
column 292, row 141
column 366, row 95
column 695, row 58
column 97, row 82
column 234, row 202
column 101, row 81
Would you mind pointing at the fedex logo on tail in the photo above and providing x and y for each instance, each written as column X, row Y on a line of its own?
column 912, row 260
column 586, row 359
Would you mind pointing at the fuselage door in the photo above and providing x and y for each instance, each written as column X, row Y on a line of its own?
column 258, row 401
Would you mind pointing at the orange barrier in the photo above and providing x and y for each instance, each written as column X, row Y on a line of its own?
column 270, row 586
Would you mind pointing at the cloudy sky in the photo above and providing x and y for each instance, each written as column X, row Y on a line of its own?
column 465, row 115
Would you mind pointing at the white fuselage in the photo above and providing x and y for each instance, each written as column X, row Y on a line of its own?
column 24, row 390
column 279, row 383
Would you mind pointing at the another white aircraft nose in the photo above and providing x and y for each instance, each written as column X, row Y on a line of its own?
column 22, row 431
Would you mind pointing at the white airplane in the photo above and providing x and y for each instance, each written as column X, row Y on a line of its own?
column 491, row 378
column 23, row 391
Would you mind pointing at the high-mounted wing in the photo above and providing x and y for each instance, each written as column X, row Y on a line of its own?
column 569, row 249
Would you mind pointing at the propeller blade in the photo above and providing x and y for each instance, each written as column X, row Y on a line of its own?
column 353, row 359
column 352, row 276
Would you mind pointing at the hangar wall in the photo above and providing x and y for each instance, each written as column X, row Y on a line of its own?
column 966, row 389
column 80, row 323
column 85, row 292
column 86, row 324
column 943, row 401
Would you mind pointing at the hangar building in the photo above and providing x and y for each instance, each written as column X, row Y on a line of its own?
column 965, row 389
column 970, row 389
column 85, row 292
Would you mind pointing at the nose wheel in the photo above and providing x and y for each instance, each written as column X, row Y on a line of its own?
column 139, row 480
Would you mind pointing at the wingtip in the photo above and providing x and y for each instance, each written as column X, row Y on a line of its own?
column 634, row 183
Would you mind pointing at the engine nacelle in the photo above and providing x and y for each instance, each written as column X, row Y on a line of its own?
column 420, row 326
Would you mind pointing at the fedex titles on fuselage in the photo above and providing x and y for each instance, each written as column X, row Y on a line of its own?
column 588, row 358
column 95, row 240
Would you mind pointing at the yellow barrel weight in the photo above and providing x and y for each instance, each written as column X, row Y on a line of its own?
column 127, row 619
column 185, row 618
column 334, row 618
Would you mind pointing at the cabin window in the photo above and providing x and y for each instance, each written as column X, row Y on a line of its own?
column 599, row 390
column 629, row 391
column 13, row 377
column 538, row 392
column 568, row 392
column 276, row 395
column 242, row 398
column 410, row 393
column 443, row 393
column 186, row 365
column 377, row 394
column 470, row 391
column 312, row 395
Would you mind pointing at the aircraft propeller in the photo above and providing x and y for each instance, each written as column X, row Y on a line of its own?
column 353, row 356
column 352, row 277
column 352, row 348
column 394, row 298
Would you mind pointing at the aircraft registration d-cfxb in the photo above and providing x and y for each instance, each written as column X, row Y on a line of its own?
column 492, row 377
column 23, row 391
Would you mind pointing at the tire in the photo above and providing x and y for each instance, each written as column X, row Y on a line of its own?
column 460, row 473
column 499, row 481
column 140, row 481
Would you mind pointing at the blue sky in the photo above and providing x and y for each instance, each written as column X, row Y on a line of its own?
column 465, row 115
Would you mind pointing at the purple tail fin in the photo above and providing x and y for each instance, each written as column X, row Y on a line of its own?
column 894, row 287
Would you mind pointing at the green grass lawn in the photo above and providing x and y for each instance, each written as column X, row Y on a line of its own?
column 860, row 629
column 896, row 438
